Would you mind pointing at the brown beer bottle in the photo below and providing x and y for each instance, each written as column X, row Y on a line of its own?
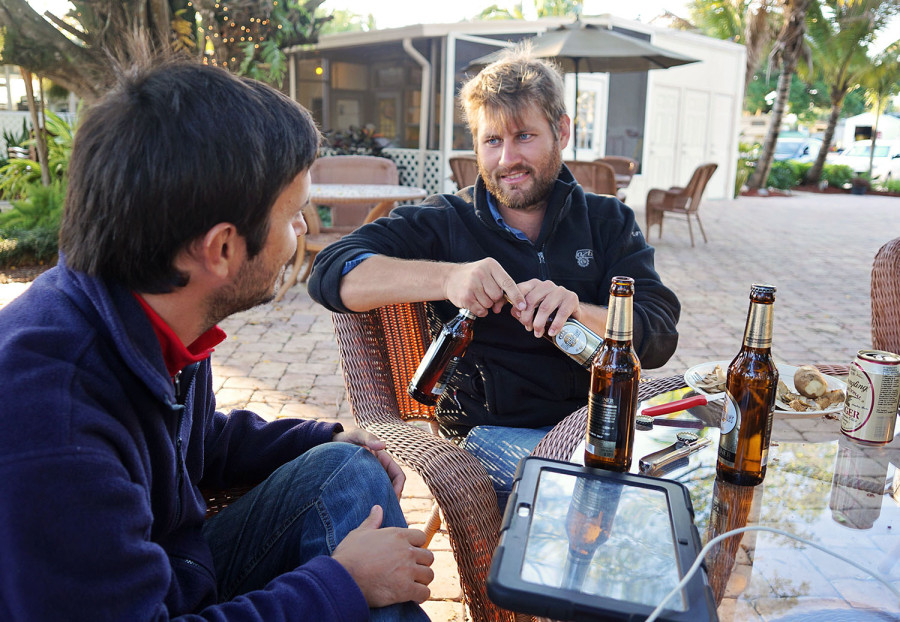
column 576, row 340
column 750, row 386
column 441, row 358
column 615, row 372
column 588, row 525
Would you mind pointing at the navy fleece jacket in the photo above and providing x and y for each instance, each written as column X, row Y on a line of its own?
column 100, row 468
column 507, row 377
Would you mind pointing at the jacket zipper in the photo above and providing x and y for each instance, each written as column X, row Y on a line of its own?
column 542, row 265
column 179, row 404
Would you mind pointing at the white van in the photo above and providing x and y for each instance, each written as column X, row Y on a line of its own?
column 885, row 163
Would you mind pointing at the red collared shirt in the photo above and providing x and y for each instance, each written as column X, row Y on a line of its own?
column 176, row 355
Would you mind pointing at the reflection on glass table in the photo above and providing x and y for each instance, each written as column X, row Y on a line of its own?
column 819, row 486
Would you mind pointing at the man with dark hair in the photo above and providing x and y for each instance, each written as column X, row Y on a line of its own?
column 185, row 191
column 526, row 232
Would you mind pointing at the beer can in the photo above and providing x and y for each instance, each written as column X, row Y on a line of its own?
column 873, row 394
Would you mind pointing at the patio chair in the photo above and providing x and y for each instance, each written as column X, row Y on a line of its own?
column 680, row 201
column 465, row 170
column 624, row 168
column 886, row 298
column 380, row 351
column 596, row 177
column 337, row 170
column 353, row 169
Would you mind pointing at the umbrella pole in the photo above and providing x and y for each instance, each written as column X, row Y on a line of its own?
column 575, row 115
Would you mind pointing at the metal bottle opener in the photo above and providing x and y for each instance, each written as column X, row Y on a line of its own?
column 663, row 461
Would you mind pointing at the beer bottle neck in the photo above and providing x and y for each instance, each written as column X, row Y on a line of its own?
column 758, row 332
column 619, row 323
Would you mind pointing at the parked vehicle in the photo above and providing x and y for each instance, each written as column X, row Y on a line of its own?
column 798, row 148
column 885, row 163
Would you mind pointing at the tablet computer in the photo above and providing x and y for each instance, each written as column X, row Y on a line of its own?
column 587, row 544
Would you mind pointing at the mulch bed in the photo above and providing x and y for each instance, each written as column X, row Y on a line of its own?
column 774, row 192
column 23, row 274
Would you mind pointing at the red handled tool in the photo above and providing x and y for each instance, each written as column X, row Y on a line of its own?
column 671, row 407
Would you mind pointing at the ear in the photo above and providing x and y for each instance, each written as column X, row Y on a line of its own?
column 564, row 129
column 217, row 254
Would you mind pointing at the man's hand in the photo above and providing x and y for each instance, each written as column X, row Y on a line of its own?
column 358, row 436
column 482, row 286
column 544, row 298
column 388, row 565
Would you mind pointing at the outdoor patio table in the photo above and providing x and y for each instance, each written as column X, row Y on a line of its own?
column 819, row 486
column 349, row 201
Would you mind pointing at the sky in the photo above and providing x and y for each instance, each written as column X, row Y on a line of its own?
column 395, row 13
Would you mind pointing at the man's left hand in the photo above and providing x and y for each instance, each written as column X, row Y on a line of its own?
column 543, row 299
column 374, row 444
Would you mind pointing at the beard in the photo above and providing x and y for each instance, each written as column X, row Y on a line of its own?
column 251, row 287
column 538, row 185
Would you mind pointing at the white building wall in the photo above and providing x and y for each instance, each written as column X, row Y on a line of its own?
column 693, row 116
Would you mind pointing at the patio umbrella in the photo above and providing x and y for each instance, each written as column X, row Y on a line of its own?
column 580, row 47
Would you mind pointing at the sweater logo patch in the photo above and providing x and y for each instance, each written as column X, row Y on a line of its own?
column 584, row 256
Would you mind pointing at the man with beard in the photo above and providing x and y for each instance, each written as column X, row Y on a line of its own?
column 109, row 430
column 525, row 233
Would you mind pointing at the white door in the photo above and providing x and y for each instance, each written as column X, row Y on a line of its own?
column 659, row 166
column 720, row 144
column 693, row 134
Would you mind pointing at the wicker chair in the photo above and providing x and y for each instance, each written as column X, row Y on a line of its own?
column 596, row 177
column 624, row 168
column 886, row 298
column 380, row 351
column 680, row 201
column 465, row 170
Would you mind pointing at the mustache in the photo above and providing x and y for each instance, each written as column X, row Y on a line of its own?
column 503, row 172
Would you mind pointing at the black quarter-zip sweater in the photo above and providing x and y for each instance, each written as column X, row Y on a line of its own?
column 507, row 376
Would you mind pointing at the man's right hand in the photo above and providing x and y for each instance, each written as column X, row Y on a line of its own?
column 482, row 286
column 389, row 565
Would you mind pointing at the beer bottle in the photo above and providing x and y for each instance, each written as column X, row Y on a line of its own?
column 576, row 340
column 588, row 525
column 441, row 358
column 750, row 387
column 615, row 372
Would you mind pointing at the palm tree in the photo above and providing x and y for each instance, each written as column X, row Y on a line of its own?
column 882, row 81
column 751, row 22
column 788, row 48
column 839, row 33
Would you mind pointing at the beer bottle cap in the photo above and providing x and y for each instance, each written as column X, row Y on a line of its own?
column 687, row 437
column 643, row 422
column 467, row 313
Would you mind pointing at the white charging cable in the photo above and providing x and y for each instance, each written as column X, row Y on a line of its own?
column 693, row 569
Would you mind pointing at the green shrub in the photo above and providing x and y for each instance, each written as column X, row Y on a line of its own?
column 20, row 174
column 892, row 185
column 837, row 175
column 802, row 170
column 29, row 232
column 783, row 175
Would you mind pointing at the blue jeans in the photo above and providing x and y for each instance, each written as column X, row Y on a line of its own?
column 500, row 449
column 304, row 509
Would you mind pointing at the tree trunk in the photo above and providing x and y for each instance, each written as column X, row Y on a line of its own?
column 814, row 174
column 40, row 136
column 790, row 41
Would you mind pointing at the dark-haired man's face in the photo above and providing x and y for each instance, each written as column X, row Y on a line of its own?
column 520, row 161
column 258, row 278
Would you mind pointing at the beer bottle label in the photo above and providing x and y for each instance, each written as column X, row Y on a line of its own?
column 441, row 384
column 571, row 339
column 730, row 427
column 603, row 418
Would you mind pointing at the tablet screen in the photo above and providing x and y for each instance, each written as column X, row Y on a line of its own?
column 602, row 538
